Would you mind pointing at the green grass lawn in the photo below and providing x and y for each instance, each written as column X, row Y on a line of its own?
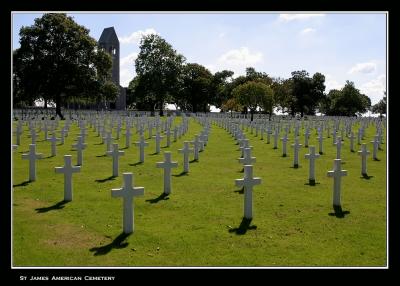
column 198, row 224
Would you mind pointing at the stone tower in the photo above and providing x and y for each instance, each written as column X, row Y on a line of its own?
column 110, row 43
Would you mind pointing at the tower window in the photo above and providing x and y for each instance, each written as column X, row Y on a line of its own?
column 114, row 51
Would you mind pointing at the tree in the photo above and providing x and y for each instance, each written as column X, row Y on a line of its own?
column 195, row 93
column 380, row 107
column 308, row 92
column 283, row 97
column 346, row 102
column 220, row 89
column 231, row 105
column 159, row 68
column 252, row 95
column 267, row 100
column 58, row 61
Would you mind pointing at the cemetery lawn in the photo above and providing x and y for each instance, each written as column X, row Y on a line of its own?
column 200, row 222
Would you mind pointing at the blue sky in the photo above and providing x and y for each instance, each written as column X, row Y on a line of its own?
column 342, row 46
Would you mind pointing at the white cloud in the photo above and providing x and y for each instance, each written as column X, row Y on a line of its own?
column 307, row 31
column 128, row 60
column 374, row 88
column 135, row 37
column 331, row 83
column 127, row 69
column 293, row 17
column 368, row 67
column 240, row 57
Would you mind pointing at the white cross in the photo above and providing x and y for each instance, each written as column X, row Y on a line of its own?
column 175, row 133
column 53, row 141
column 141, row 144
column 296, row 146
column 14, row 147
column 352, row 137
column 375, row 143
column 306, row 136
column 128, row 192
column 158, row 138
column 248, row 182
column 128, row 135
column 338, row 146
column 115, row 154
column 337, row 174
column 18, row 133
column 320, row 141
column 196, row 146
column 167, row 165
column 150, row 127
column 168, row 133
column 108, row 139
column 247, row 159
column 312, row 156
column 32, row 156
column 359, row 136
column 33, row 135
column 269, row 131
column 245, row 144
column 68, row 170
column 63, row 133
column 284, row 141
column 83, row 133
column 363, row 153
column 80, row 146
column 45, row 129
column 185, row 151
column 276, row 134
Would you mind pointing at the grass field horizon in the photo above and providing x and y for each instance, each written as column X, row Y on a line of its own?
column 201, row 222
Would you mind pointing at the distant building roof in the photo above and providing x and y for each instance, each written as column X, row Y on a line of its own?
column 109, row 36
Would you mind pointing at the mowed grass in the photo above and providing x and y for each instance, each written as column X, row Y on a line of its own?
column 199, row 223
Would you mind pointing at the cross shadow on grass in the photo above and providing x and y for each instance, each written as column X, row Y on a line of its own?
column 365, row 176
column 57, row 206
column 161, row 197
column 135, row 164
column 124, row 148
column 376, row 159
column 23, row 184
column 155, row 153
column 194, row 161
column 105, row 180
column 338, row 212
column 312, row 184
column 181, row 174
column 98, row 143
column 117, row 243
column 104, row 155
column 243, row 227
column 48, row 157
column 241, row 191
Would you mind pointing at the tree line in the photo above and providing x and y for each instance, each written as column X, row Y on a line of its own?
column 59, row 62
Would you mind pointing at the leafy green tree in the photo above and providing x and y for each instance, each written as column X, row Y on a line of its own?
column 267, row 100
column 159, row 68
column 283, row 97
column 346, row 102
column 231, row 105
column 252, row 95
column 58, row 61
column 308, row 92
column 380, row 107
column 220, row 88
column 195, row 91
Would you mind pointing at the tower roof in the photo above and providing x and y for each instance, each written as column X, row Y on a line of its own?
column 109, row 36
